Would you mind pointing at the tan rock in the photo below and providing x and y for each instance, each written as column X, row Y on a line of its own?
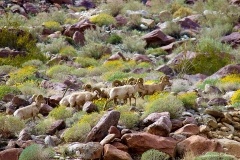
column 112, row 153
column 148, row 22
column 198, row 145
column 10, row 154
column 231, row 147
column 120, row 146
column 141, row 142
column 107, row 139
column 188, row 130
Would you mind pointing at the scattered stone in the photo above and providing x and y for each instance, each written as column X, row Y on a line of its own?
column 90, row 107
column 188, row 130
column 111, row 152
column 101, row 129
column 141, row 142
column 11, row 154
column 114, row 130
column 56, row 126
column 107, row 139
column 161, row 127
column 153, row 117
column 24, row 135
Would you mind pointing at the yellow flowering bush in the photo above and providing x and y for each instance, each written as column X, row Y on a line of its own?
column 71, row 21
column 236, row 97
column 52, row 25
column 68, row 51
column 103, row 19
column 231, row 78
column 21, row 75
column 7, row 90
column 61, row 112
column 189, row 99
column 183, row 12
column 129, row 119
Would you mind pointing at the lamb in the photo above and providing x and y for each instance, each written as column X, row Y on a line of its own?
column 151, row 88
column 31, row 110
column 124, row 92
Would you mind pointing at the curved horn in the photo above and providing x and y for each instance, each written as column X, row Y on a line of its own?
column 166, row 78
column 87, row 87
column 161, row 78
column 97, row 89
column 39, row 97
column 131, row 81
column 34, row 97
column 116, row 83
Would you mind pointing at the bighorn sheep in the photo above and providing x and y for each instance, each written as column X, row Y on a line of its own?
column 149, row 89
column 31, row 110
column 124, row 92
column 78, row 99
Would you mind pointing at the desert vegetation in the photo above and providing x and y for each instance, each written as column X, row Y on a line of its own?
column 78, row 65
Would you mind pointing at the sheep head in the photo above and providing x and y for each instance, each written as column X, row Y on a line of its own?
column 165, row 81
column 97, row 92
column 40, row 99
column 117, row 83
column 87, row 87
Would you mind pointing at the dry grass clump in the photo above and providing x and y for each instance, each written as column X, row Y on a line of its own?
column 134, row 44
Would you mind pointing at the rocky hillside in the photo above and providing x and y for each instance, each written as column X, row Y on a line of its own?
column 119, row 80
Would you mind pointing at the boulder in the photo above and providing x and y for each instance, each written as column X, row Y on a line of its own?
column 111, row 152
column 116, row 56
column 99, row 131
column 165, row 69
column 17, row 102
column 11, row 154
column 189, row 120
column 198, row 145
column 187, row 23
column 45, row 109
column 148, row 22
column 79, row 26
column 230, row 146
column 233, row 39
column 107, row 139
column 24, row 135
column 153, row 117
column 60, row 1
column 31, row 8
column 78, row 38
column 120, row 146
column 188, row 130
column 88, row 4
column 91, row 150
column 141, row 142
column 141, row 58
column 56, row 126
column 158, row 37
column 121, row 20
column 114, row 130
column 217, row 102
column 161, row 127
column 4, row 53
column 228, row 69
column 176, row 124
column 90, row 107
column 165, row 16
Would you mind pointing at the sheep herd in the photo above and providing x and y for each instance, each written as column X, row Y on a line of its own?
column 120, row 90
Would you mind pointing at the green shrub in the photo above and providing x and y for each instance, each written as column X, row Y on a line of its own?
column 113, row 8
column 42, row 126
column 144, row 65
column 154, row 154
column 6, row 69
column 117, row 75
column 129, row 119
column 182, row 12
column 212, row 82
column 114, row 39
column 230, row 82
column 33, row 62
column 92, row 118
column 10, row 126
column 94, row 50
column 31, row 87
column 189, row 100
column 68, row 51
column 156, row 51
column 36, row 152
column 87, row 62
column 53, row 46
column 75, row 118
column 133, row 6
column 103, row 19
column 57, row 69
column 172, row 29
column 7, row 90
column 71, row 21
column 134, row 21
column 97, row 35
column 180, row 85
column 61, row 112
column 215, row 156
column 165, row 103
column 77, row 133
column 134, row 44
column 77, row 9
